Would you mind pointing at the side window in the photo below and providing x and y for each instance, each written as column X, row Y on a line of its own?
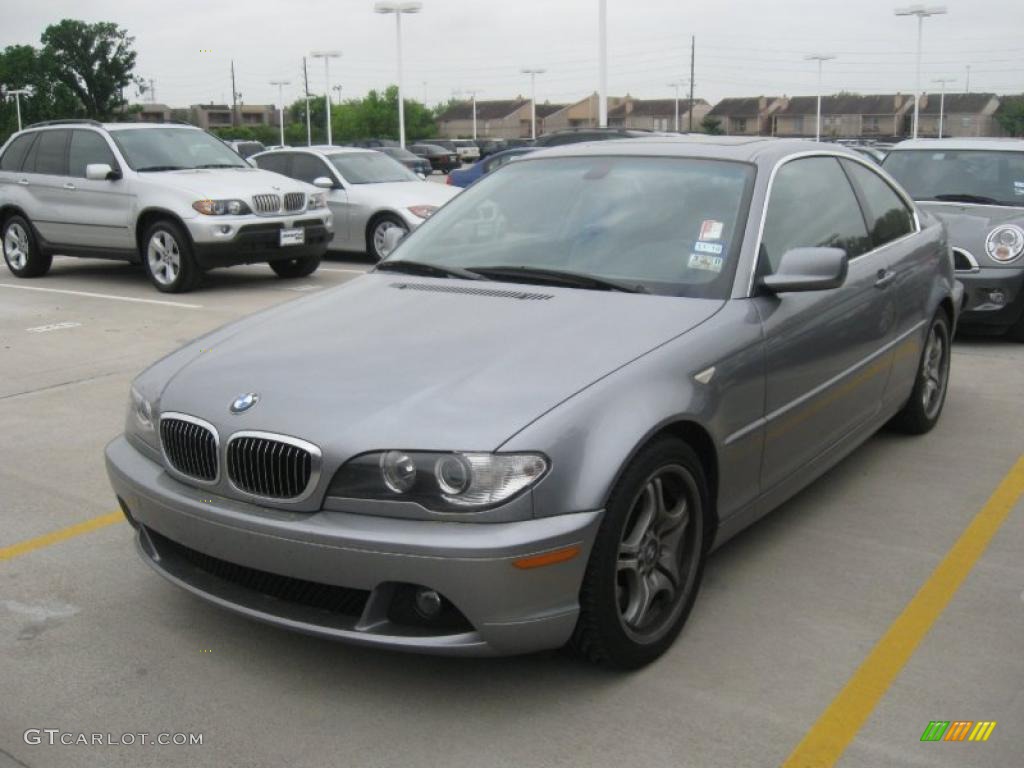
column 88, row 147
column 51, row 153
column 888, row 216
column 276, row 163
column 811, row 205
column 15, row 154
column 308, row 167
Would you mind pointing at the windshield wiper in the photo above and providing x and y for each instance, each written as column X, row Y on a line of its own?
column 429, row 270
column 966, row 198
column 221, row 165
column 559, row 277
column 161, row 168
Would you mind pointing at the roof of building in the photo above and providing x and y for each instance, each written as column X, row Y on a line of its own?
column 485, row 110
column 652, row 107
column 211, row 106
column 846, row 104
column 740, row 107
column 967, row 103
column 543, row 110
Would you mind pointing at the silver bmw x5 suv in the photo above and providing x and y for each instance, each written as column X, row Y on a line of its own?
column 170, row 196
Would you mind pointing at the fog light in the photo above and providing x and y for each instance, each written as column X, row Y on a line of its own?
column 428, row 603
column 997, row 297
column 225, row 229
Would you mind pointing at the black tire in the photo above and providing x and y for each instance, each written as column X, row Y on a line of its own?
column 21, row 249
column 176, row 271
column 301, row 266
column 605, row 634
column 373, row 241
column 922, row 411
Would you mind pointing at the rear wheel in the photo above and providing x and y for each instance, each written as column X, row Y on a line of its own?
column 21, row 251
column 376, row 235
column 924, row 407
column 168, row 259
column 302, row 266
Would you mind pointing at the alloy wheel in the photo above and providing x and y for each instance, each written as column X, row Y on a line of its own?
column 164, row 257
column 934, row 371
column 379, row 236
column 16, row 247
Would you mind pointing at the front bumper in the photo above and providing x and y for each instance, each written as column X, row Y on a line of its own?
column 254, row 239
column 508, row 610
column 979, row 310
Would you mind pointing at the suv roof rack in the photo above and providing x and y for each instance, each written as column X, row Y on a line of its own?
column 74, row 121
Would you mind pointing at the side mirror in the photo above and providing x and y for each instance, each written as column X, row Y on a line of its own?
column 324, row 182
column 392, row 237
column 808, row 269
column 101, row 172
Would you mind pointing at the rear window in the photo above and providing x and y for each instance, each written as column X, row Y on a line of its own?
column 15, row 154
column 49, row 154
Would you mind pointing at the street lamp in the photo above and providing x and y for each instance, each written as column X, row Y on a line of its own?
column 280, row 100
column 819, row 57
column 472, row 95
column 921, row 11
column 942, row 97
column 533, row 97
column 327, row 56
column 17, row 93
column 398, row 8
column 602, row 55
column 677, row 85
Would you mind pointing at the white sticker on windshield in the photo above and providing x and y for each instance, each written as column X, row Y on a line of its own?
column 706, row 262
column 1018, row 187
column 702, row 247
column 710, row 230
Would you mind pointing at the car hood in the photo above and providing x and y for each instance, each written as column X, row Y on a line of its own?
column 227, row 183
column 968, row 226
column 401, row 194
column 392, row 361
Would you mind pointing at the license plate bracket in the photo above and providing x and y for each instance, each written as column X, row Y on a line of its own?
column 292, row 236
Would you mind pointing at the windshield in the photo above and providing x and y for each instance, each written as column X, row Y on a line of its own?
column 171, row 149
column 671, row 225
column 370, row 168
column 398, row 152
column 995, row 176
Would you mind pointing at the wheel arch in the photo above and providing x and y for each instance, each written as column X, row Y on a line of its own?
column 148, row 217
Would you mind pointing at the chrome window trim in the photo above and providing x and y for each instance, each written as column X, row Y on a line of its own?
column 839, row 156
column 316, row 465
column 970, row 258
column 171, row 469
column 963, row 204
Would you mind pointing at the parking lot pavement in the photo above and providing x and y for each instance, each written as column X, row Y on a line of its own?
column 92, row 641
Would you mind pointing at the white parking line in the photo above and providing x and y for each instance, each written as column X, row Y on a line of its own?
column 339, row 269
column 178, row 304
column 53, row 327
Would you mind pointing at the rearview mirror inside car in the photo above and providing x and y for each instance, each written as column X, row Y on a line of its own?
column 323, row 182
column 100, row 172
column 808, row 269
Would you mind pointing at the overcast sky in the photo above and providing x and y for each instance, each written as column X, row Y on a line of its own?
column 744, row 47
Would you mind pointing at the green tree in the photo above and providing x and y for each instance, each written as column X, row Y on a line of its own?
column 95, row 61
column 21, row 66
column 711, row 125
column 1010, row 115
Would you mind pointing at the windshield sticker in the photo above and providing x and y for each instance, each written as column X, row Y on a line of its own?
column 1018, row 188
column 710, row 230
column 706, row 262
column 702, row 247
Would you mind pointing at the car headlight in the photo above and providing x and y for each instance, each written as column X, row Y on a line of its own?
column 141, row 410
column 317, row 200
column 1005, row 243
column 140, row 421
column 221, row 207
column 442, row 482
column 422, row 211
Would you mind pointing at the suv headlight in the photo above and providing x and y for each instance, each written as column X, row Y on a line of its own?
column 442, row 482
column 422, row 211
column 317, row 200
column 1005, row 243
column 221, row 207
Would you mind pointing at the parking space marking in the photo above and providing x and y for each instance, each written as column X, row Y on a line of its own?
column 112, row 297
column 829, row 737
column 54, row 327
column 340, row 269
column 24, row 547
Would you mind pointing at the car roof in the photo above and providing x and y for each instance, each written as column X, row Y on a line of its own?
column 324, row 149
column 999, row 145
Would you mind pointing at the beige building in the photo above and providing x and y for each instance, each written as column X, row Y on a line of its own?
column 505, row 119
column 747, row 116
column 582, row 114
column 208, row 116
column 844, row 116
column 964, row 114
column 152, row 113
column 657, row 114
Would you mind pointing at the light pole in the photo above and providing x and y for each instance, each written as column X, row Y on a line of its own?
column 533, row 97
column 942, row 97
column 677, row 85
column 17, row 93
column 280, row 100
column 602, row 55
column 819, row 57
column 327, row 56
column 921, row 11
column 472, row 95
column 398, row 8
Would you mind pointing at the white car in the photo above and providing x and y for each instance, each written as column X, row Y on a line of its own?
column 368, row 192
column 468, row 150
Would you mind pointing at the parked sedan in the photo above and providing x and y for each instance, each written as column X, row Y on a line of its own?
column 414, row 163
column 976, row 186
column 530, row 425
column 440, row 159
column 463, row 177
column 367, row 191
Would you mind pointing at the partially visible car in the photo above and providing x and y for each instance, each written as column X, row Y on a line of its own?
column 414, row 163
column 368, row 193
column 463, row 177
column 467, row 150
column 578, row 135
column 440, row 158
column 245, row 148
column 491, row 146
column 171, row 197
column 975, row 186
column 873, row 154
column 375, row 143
column 516, row 143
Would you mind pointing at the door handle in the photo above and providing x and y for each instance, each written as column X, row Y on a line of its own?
column 885, row 276
column 69, row 185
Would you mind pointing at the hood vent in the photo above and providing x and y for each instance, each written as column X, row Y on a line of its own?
column 493, row 293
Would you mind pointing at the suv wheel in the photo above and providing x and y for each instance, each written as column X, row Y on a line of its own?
column 21, row 251
column 167, row 257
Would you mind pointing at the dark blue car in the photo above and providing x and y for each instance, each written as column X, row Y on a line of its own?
column 463, row 177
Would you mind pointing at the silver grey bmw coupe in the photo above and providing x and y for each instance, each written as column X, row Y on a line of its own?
column 532, row 422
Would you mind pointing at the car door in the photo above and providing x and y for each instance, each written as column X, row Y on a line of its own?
column 827, row 353
column 892, row 224
column 306, row 167
column 98, row 210
column 43, row 176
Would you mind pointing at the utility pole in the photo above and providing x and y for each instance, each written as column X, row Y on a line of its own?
column 967, row 85
column 693, row 49
column 327, row 56
column 921, row 12
column 819, row 57
column 942, row 97
column 234, row 96
column 602, row 55
column 309, row 127
column 17, row 93
column 152, row 91
column 337, row 90
column 472, row 95
column 533, row 72
column 676, row 84
column 280, row 100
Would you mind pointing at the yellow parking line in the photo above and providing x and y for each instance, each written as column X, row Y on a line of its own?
column 24, row 547
column 828, row 738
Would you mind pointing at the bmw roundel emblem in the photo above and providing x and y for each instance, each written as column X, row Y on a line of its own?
column 244, row 402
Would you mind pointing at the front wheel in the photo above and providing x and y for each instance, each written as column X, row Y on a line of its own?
column 168, row 259
column 648, row 558
column 301, row 266
column 376, row 240
column 924, row 407
column 21, row 251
